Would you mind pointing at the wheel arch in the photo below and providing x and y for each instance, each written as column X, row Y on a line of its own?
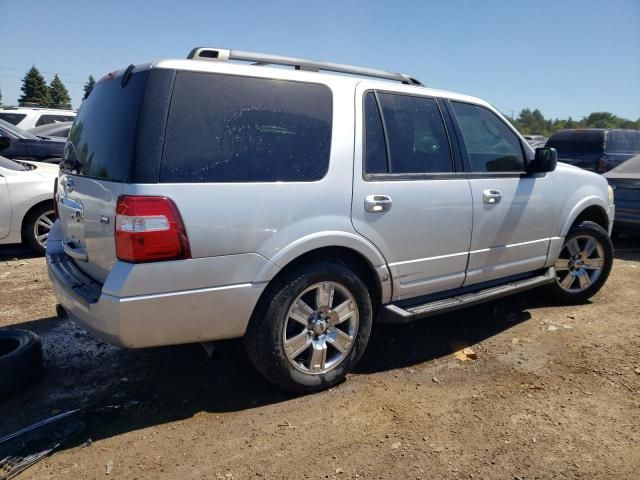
column 31, row 209
column 592, row 209
column 355, row 251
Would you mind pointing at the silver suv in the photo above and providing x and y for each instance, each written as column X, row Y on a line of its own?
column 207, row 198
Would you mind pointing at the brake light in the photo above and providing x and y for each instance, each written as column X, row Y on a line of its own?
column 149, row 229
column 55, row 197
column 602, row 165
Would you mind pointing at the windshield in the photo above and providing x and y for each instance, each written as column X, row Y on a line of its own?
column 14, row 165
column 15, row 131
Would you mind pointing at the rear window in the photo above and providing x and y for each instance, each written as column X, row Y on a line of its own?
column 12, row 118
column 623, row 141
column 577, row 141
column 102, row 140
column 224, row 128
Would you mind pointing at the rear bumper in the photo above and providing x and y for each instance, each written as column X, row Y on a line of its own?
column 186, row 316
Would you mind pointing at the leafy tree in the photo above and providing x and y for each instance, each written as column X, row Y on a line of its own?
column 88, row 86
column 0, row 98
column 534, row 122
column 58, row 94
column 34, row 89
column 601, row 120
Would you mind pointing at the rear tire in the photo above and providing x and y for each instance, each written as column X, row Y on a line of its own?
column 20, row 360
column 37, row 225
column 583, row 265
column 311, row 327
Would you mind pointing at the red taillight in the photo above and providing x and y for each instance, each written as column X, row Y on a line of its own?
column 602, row 165
column 55, row 197
column 149, row 229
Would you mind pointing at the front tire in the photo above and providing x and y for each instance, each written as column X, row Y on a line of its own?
column 311, row 327
column 583, row 265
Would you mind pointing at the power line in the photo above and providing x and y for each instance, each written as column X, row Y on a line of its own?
column 20, row 78
column 47, row 72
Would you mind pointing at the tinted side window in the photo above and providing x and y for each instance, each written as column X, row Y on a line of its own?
column 418, row 141
column 375, row 150
column 47, row 119
column 621, row 141
column 12, row 118
column 224, row 128
column 491, row 145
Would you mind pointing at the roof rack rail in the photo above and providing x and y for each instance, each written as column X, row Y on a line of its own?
column 223, row 55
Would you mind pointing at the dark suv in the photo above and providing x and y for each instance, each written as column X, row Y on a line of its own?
column 595, row 149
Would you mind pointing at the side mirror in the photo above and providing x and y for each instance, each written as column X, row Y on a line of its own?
column 546, row 160
column 5, row 142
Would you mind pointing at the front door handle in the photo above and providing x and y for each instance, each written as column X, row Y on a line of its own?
column 377, row 203
column 492, row 196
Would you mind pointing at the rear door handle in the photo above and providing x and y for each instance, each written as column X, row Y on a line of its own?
column 377, row 203
column 492, row 196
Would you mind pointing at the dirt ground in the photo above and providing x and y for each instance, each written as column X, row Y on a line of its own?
column 554, row 393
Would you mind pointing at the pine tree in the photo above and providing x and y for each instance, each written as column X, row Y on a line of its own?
column 34, row 89
column 89, row 86
column 58, row 94
column 0, row 98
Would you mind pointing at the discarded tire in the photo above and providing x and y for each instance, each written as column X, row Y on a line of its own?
column 20, row 360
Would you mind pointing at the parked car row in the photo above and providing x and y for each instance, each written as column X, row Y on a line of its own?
column 572, row 145
column 595, row 149
column 31, row 117
column 612, row 152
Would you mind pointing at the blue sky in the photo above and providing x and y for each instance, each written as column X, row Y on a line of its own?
column 567, row 58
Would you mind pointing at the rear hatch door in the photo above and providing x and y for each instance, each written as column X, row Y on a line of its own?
column 98, row 163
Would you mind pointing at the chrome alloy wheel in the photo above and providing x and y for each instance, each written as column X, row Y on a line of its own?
column 320, row 328
column 579, row 264
column 42, row 226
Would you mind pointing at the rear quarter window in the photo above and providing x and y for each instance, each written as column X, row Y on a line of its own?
column 12, row 118
column 224, row 128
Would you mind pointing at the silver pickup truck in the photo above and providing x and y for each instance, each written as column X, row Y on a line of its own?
column 218, row 197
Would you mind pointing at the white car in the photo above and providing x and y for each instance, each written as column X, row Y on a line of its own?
column 26, row 207
column 31, row 117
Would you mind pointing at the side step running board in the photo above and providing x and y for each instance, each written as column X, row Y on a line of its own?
column 395, row 314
